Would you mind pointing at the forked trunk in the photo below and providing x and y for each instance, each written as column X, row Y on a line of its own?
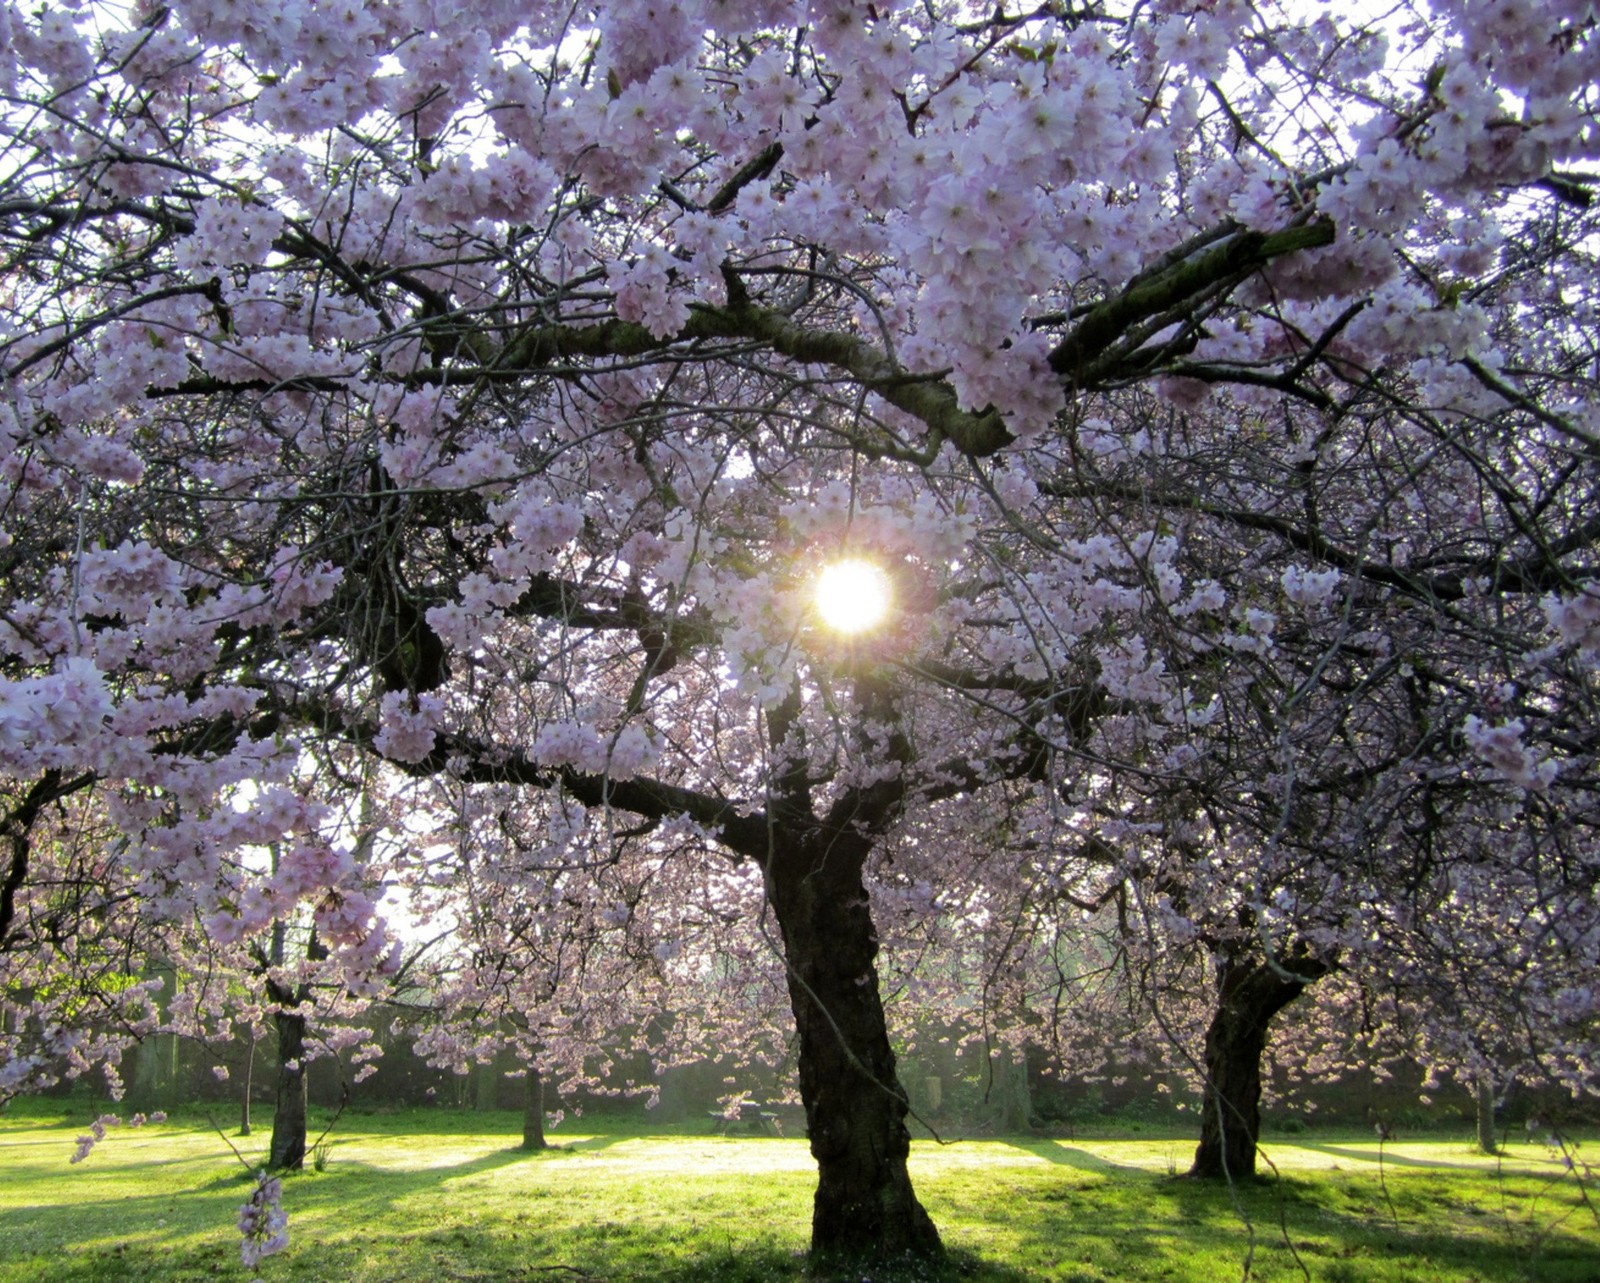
column 1249, row 994
column 855, row 1105
column 288, row 1151
column 533, row 1110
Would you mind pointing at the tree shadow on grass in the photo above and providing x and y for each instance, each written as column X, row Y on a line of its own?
column 1390, row 1158
column 362, row 1220
column 588, row 1145
column 509, row 1214
column 1055, row 1151
column 378, row 1170
column 211, row 1201
column 771, row 1263
column 1160, row 1228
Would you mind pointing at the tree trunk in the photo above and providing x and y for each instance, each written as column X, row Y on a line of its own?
column 146, row 1093
column 1488, row 1137
column 486, row 1086
column 244, row 1096
column 1249, row 994
column 855, row 1106
column 1012, row 1101
column 533, row 1110
column 288, row 1151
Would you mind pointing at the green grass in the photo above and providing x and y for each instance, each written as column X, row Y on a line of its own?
column 437, row 1197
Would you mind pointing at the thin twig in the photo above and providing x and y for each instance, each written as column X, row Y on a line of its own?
column 247, row 1164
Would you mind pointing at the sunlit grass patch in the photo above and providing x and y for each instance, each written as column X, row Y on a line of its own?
column 428, row 1196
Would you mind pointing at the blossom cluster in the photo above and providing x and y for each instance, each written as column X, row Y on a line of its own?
column 407, row 732
column 1310, row 588
column 97, row 1131
column 1502, row 749
column 1576, row 619
column 263, row 1224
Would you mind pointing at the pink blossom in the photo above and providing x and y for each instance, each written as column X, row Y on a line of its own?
column 1576, row 619
column 263, row 1224
column 227, row 233
column 1501, row 748
column 406, row 732
column 631, row 752
column 1309, row 587
column 300, row 584
column 96, row 1134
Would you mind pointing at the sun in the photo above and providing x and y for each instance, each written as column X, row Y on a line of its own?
column 853, row 596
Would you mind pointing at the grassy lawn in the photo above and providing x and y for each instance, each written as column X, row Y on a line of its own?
column 436, row 1197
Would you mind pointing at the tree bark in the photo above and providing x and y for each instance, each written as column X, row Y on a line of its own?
column 1012, row 1101
column 533, row 1110
column 486, row 1086
column 855, row 1106
column 146, row 1093
column 1249, row 993
column 288, row 1152
column 244, row 1096
column 1488, row 1136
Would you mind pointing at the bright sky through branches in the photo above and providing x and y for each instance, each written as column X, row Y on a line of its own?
column 853, row 596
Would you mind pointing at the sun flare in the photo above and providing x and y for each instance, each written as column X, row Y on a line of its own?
column 853, row 596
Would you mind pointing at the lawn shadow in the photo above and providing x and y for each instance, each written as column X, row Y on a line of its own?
column 138, row 1234
column 1064, row 1155
column 588, row 1145
column 1117, row 1222
column 235, row 1177
column 132, row 1228
column 380, row 1171
column 489, row 1161
column 1158, row 1227
column 1390, row 1158
column 772, row 1263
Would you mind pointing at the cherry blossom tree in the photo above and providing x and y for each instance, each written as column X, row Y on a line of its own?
column 1333, row 800
column 71, row 947
column 475, row 389
column 572, row 943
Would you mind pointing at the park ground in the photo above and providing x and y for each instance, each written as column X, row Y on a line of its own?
column 447, row 1197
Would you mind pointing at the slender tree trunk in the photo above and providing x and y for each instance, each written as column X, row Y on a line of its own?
column 485, row 1086
column 147, row 1087
column 147, row 1073
column 855, row 1105
column 288, row 1151
column 533, row 1110
column 1488, row 1136
column 1249, row 994
column 1013, row 1103
column 244, row 1096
